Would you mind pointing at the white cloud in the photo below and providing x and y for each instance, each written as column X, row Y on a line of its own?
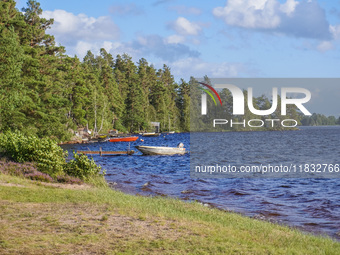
column 289, row 7
column 249, row 13
column 184, row 27
column 185, row 10
column 175, row 39
column 82, row 47
column 80, row 33
column 69, row 28
column 160, row 47
column 150, row 46
column 325, row 46
column 107, row 45
column 196, row 67
column 299, row 19
column 329, row 45
column 126, row 9
column 335, row 31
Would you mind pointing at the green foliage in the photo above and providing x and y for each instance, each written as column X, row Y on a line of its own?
column 47, row 155
column 319, row 120
column 48, row 94
column 11, row 87
column 82, row 167
column 69, row 179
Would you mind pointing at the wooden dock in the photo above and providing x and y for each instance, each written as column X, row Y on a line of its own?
column 107, row 153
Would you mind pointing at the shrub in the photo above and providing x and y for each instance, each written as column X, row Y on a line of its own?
column 16, row 169
column 49, row 158
column 26, row 170
column 82, row 167
column 39, row 176
column 69, row 179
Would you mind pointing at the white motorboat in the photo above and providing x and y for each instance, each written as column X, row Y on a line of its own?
column 153, row 134
column 161, row 150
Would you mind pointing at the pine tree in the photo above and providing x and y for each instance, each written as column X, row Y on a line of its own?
column 134, row 101
column 95, row 111
column 11, row 85
column 79, row 95
column 115, row 101
column 34, row 33
column 171, row 113
column 183, row 104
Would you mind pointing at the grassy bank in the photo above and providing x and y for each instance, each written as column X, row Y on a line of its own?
column 79, row 219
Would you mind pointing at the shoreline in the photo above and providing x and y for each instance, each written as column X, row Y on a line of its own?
column 261, row 217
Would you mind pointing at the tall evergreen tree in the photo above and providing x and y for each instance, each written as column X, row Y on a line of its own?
column 34, row 33
column 145, row 83
column 183, row 104
column 115, row 101
column 134, row 101
column 11, row 85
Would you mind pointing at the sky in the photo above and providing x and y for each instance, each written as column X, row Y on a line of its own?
column 234, row 38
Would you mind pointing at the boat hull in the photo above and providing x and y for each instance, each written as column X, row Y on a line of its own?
column 151, row 134
column 124, row 139
column 153, row 150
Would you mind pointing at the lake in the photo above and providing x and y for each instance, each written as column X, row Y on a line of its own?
column 311, row 204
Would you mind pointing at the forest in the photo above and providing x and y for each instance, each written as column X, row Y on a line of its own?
column 47, row 93
column 319, row 120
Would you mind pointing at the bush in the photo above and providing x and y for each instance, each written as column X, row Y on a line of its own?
column 16, row 169
column 39, row 176
column 49, row 158
column 26, row 170
column 82, row 167
column 69, row 179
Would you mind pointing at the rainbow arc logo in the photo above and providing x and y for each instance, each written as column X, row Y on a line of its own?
column 208, row 92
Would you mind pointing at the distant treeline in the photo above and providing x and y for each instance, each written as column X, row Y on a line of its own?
column 319, row 120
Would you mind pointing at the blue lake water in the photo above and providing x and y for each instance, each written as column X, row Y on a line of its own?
column 309, row 204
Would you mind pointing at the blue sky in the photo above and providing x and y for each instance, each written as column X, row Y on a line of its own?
column 234, row 38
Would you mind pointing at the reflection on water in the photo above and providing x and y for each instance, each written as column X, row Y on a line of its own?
column 310, row 204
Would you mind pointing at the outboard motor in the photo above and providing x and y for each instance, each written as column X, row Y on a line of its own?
column 180, row 145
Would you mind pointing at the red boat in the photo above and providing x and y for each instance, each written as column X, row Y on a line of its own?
column 124, row 139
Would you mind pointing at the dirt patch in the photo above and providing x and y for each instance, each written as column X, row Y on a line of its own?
column 6, row 184
column 65, row 186
column 48, row 184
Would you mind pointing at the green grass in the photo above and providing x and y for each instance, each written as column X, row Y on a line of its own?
column 39, row 219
